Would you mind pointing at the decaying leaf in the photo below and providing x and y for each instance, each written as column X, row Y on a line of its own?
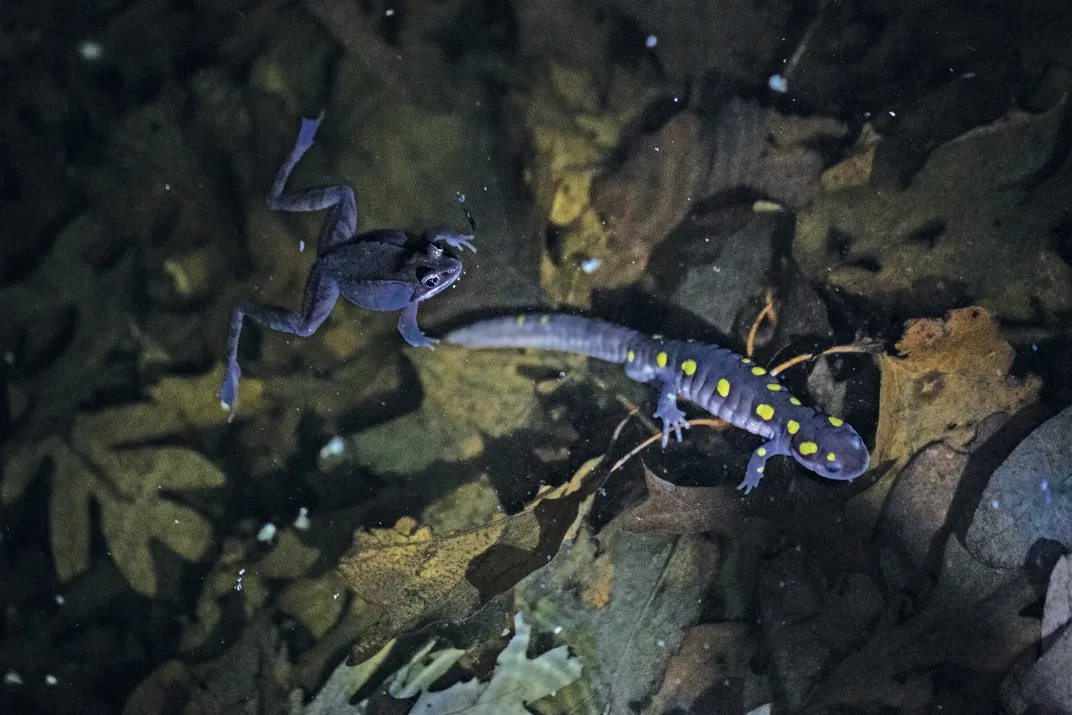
column 516, row 682
column 333, row 698
column 1029, row 497
column 974, row 223
column 1044, row 685
column 951, row 375
column 416, row 577
column 130, row 484
column 707, row 673
column 654, row 593
column 469, row 396
column 971, row 620
column 1058, row 613
column 682, row 510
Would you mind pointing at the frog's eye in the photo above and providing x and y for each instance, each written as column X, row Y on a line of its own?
column 431, row 280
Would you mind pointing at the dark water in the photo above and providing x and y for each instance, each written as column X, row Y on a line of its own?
column 882, row 188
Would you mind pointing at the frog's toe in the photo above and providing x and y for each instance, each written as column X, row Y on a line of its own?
column 229, row 390
column 456, row 241
column 308, row 131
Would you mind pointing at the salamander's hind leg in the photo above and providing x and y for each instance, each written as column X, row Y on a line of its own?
column 342, row 222
column 671, row 415
column 319, row 299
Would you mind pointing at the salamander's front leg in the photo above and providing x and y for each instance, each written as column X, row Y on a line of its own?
column 670, row 413
column 757, row 464
column 319, row 299
column 411, row 333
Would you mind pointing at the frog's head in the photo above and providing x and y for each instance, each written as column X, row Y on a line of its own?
column 435, row 268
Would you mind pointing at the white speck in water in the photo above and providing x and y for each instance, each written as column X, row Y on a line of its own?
column 1034, row 347
column 995, row 504
column 90, row 50
column 557, row 630
column 389, row 12
column 333, row 448
column 591, row 265
column 302, row 522
column 336, row 597
column 59, row 599
column 892, row 113
column 461, row 197
column 651, row 41
column 716, row 269
column 241, row 571
column 1044, row 485
column 778, row 83
column 167, row 187
column 301, row 245
column 661, row 643
column 11, row 678
column 238, row 585
column 50, row 679
column 267, row 533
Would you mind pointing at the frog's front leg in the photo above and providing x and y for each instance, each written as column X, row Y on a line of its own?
column 320, row 295
column 411, row 333
column 342, row 222
column 670, row 414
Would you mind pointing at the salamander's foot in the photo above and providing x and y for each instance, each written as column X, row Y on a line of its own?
column 673, row 418
column 229, row 390
column 751, row 481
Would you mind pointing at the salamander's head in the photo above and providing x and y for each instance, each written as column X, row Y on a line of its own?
column 828, row 447
column 435, row 269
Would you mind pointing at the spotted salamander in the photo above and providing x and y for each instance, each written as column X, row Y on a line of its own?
column 719, row 380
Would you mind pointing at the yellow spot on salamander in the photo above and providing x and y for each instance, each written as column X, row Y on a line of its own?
column 807, row 448
column 761, row 452
column 830, row 457
column 630, row 356
column 835, row 421
column 660, row 359
column 774, row 387
column 545, row 319
column 794, row 401
column 759, row 470
column 765, row 411
column 792, row 426
column 723, row 387
column 520, row 320
column 758, row 371
column 688, row 367
column 746, row 361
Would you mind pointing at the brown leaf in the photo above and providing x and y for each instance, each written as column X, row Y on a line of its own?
column 708, row 671
column 417, row 577
column 682, row 510
column 952, row 374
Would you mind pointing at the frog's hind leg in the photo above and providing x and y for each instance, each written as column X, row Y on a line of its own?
column 342, row 221
column 320, row 296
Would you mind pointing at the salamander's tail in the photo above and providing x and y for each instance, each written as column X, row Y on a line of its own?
column 568, row 333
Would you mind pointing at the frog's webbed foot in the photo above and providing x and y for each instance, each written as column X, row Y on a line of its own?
column 229, row 389
column 672, row 417
column 457, row 241
column 411, row 333
column 307, row 133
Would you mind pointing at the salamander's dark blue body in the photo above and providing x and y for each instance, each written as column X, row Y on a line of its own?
column 718, row 380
